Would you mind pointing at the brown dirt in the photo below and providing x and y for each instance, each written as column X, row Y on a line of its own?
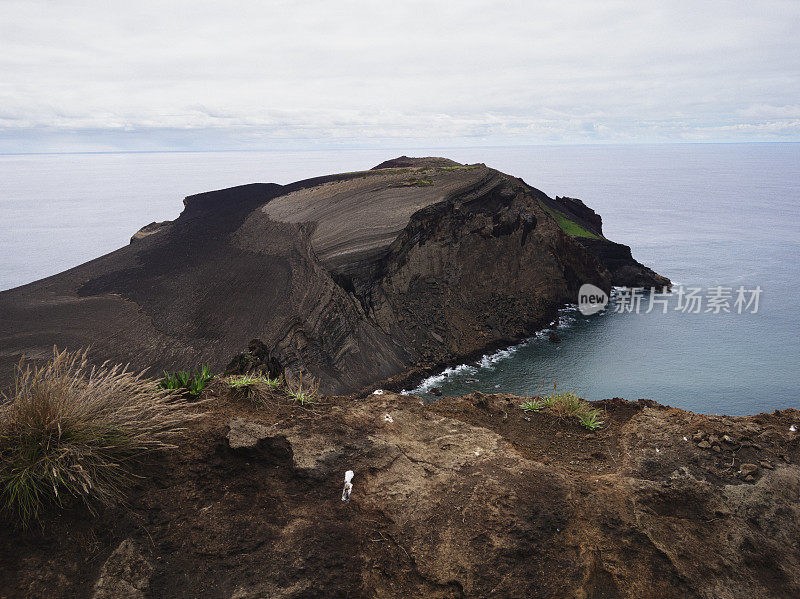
column 467, row 497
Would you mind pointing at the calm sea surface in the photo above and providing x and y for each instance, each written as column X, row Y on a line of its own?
column 703, row 215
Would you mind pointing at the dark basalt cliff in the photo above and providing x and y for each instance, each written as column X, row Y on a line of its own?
column 351, row 278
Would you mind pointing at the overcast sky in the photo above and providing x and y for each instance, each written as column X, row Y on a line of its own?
column 105, row 75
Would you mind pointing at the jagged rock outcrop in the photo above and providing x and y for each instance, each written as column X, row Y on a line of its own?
column 615, row 257
column 350, row 279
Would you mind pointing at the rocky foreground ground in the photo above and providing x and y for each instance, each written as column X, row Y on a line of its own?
column 467, row 497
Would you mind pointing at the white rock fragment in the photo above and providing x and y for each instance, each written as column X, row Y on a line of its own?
column 388, row 418
column 685, row 439
column 793, row 429
column 378, row 392
column 348, row 485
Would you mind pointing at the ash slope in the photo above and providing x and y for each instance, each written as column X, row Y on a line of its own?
column 351, row 278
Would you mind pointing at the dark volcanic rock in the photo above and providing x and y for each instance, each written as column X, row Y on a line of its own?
column 257, row 359
column 554, row 338
column 624, row 270
column 351, row 278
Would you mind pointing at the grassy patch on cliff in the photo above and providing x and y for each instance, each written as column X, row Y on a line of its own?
column 255, row 387
column 566, row 405
column 68, row 431
column 570, row 227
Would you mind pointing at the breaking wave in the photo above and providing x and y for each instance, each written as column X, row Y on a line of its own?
column 566, row 318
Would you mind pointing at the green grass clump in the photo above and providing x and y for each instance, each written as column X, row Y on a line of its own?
column 243, row 381
column 192, row 384
column 569, row 404
column 534, row 404
column 254, row 386
column 566, row 405
column 569, row 226
column 590, row 419
column 71, row 432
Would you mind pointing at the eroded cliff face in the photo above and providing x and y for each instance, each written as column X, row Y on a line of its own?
column 349, row 279
column 485, row 266
column 615, row 257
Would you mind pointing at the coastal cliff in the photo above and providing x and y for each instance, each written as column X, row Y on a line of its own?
column 349, row 279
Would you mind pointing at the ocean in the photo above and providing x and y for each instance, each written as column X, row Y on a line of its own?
column 706, row 215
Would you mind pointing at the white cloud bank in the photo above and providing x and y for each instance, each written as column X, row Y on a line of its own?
column 175, row 74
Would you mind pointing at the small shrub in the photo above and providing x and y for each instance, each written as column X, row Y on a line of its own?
column 533, row 404
column 68, row 431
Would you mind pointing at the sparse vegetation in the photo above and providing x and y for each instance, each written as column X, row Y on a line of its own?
column 303, row 392
column 419, row 182
column 192, row 384
column 533, row 404
column 569, row 226
column 256, row 387
column 566, row 405
column 68, row 431
column 464, row 167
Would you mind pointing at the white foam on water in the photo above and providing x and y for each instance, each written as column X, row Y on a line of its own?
column 566, row 318
column 438, row 379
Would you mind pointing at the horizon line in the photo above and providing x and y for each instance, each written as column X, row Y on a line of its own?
column 422, row 147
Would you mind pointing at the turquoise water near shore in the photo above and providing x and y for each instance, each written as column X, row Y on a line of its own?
column 704, row 215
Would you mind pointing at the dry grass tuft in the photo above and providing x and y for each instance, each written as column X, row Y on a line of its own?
column 304, row 392
column 68, row 431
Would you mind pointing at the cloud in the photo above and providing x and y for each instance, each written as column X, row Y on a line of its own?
column 254, row 74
